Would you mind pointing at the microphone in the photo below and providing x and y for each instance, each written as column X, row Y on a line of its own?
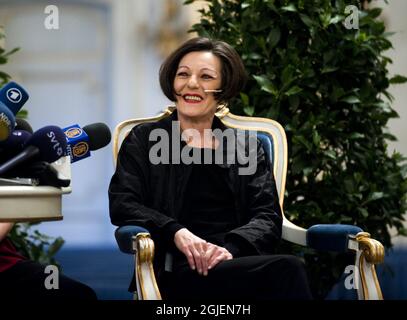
column 7, row 122
column 21, row 124
column 12, row 99
column 17, row 139
column 14, row 144
column 48, row 143
column 213, row 90
column 80, row 141
column 99, row 135
column 13, row 96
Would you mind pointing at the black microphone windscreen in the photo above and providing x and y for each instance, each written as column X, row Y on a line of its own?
column 51, row 143
column 16, row 140
column 99, row 135
column 14, row 144
column 21, row 124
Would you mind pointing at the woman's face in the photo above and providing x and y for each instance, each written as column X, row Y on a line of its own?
column 197, row 71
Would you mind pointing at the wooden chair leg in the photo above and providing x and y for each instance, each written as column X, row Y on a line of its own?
column 368, row 253
column 147, row 288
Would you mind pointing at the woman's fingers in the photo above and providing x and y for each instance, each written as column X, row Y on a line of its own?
column 210, row 252
column 193, row 247
column 204, row 249
column 215, row 259
column 201, row 255
column 190, row 257
column 219, row 255
column 197, row 259
column 222, row 257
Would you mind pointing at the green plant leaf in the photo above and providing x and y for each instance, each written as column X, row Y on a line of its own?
column 245, row 98
column 336, row 19
column 4, row 75
column 375, row 196
column 307, row 20
column 290, row 7
column 274, row 37
column 245, row 5
column 293, row 90
column 11, row 52
column 357, row 135
column 266, row 85
column 329, row 69
column 398, row 79
column 350, row 99
column 375, row 12
column 249, row 110
column 330, row 154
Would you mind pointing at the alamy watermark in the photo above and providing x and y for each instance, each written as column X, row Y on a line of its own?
column 352, row 280
column 235, row 147
column 52, row 281
column 51, row 21
column 352, row 20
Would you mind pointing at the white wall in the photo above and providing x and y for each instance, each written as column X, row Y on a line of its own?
column 98, row 66
column 394, row 15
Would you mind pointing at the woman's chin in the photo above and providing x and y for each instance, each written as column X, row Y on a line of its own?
column 191, row 112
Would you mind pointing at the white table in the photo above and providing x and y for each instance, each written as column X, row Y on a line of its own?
column 35, row 203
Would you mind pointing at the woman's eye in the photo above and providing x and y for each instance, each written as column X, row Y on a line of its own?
column 182, row 74
column 207, row 76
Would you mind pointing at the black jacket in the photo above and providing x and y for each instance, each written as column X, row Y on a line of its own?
column 151, row 195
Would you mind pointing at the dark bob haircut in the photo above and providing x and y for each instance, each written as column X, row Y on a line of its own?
column 233, row 73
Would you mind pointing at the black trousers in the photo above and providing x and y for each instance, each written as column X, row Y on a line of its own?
column 26, row 281
column 256, row 278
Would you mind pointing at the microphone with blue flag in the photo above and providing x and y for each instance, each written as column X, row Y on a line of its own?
column 81, row 141
column 77, row 143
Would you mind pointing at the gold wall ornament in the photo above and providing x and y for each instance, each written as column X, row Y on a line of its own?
column 173, row 28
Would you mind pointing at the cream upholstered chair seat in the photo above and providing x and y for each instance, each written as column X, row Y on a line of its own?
column 332, row 237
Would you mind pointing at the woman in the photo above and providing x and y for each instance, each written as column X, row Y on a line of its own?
column 220, row 227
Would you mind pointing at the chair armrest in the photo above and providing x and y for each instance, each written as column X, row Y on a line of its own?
column 325, row 237
column 331, row 237
column 341, row 238
column 124, row 237
column 293, row 233
column 136, row 240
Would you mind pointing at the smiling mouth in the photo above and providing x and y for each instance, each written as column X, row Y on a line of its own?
column 192, row 98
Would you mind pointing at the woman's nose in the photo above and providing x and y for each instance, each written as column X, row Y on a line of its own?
column 193, row 82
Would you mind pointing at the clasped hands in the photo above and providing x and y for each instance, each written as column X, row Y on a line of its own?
column 201, row 255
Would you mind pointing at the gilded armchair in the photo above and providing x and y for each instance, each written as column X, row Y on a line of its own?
column 330, row 237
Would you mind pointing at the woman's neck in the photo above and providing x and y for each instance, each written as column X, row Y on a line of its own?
column 198, row 133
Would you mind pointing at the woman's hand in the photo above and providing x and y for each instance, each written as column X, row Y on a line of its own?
column 5, row 228
column 194, row 248
column 216, row 254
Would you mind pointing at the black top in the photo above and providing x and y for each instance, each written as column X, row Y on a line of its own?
column 151, row 195
column 208, row 210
